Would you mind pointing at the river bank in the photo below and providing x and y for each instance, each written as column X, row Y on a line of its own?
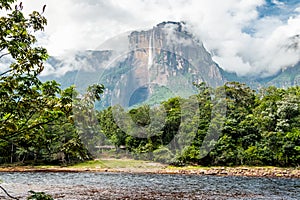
column 134, row 166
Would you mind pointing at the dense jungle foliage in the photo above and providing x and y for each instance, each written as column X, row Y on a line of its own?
column 36, row 120
column 256, row 128
column 229, row 125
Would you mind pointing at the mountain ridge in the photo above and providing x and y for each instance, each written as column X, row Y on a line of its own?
column 159, row 57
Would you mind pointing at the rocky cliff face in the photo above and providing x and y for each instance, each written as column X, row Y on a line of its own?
column 153, row 65
column 164, row 59
column 168, row 50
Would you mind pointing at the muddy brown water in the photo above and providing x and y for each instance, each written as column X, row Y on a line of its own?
column 83, row 185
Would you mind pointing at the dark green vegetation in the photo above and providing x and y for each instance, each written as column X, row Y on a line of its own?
column 259, row 128
column 36, row 119
column 39, row 196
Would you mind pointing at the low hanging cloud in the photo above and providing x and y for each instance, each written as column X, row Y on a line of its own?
column 240, row 38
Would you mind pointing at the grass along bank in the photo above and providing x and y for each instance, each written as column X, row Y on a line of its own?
column 142, row 166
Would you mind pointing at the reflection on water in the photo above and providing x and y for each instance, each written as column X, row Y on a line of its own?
column 148, row 186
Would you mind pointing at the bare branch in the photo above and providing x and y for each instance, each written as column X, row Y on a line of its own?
column 2, row 49
column 44, row 7
column 5, row 54
column 31, row 127
column 7, row 193
column 6, row 72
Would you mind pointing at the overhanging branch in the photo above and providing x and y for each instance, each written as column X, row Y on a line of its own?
column 5, row 54
column 6, row 72
column 7, row 193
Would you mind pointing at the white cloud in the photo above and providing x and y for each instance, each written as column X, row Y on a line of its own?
column 79, row 25
column 277, row 3
column 274, row 52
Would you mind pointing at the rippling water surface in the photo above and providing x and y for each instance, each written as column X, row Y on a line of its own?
column 148, row 186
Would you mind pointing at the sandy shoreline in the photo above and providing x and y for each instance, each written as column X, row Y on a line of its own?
column 216, row 171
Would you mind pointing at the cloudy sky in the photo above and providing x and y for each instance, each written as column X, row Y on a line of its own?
column 245, row 36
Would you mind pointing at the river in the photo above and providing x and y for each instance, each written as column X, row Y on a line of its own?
column 86, row 185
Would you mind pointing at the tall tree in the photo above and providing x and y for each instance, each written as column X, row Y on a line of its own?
column 36, row 119
column 21, row 95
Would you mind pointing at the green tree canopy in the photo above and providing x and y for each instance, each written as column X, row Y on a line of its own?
column 36, row 118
